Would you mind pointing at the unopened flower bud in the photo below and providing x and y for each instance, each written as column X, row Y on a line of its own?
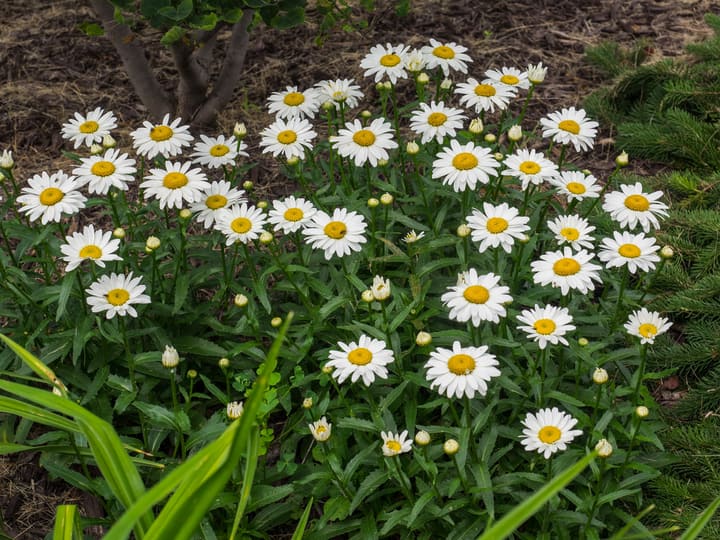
column 119, row 233
column 422, row 438
column 463, row 230
column 293, row 160
column 367, row 296
column 667, row 252
column 328, row 105
column 446, row 84
column 239, row 130
column 382, row 162
column 373, row 202
column 423, row 78
column 386, row 199
column 476, row 126
column 380, row 87
column 262, row 205
column 224, row 363
column 6, row 160
column 108, row 141
column 185, row 214
column 192, row 374
column 247, row 185
column 536, row 73
column 600, row 376
column 170, row 357
column 451, row 447
column 96, row 149
column 498, row 156
column 152, row 243
column 275, row 322
column 234, row 410
column 266, row 237
column 490, row 138
column 327, row 370
column 241, row 300
column 583, row 342
column 515, row 133
column 307, row 403
column 604, row 448
column 622, row 160
column 365, row 114
column 423, row 339
column 388, row 85
column 642, row 411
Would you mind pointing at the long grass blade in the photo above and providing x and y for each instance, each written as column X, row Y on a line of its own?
column 35, row 364
column 67, row 523
column 698, row 525
column 248, row 477
column 302, row 524
column 37, row 414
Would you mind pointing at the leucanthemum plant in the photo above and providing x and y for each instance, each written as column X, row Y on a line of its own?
column 459, row 292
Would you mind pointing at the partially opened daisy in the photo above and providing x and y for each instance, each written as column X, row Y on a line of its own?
column 576, row 185
column 486, row 96
column 497, row 226
column 90, row 128
column 165, row 139
column 631, row 207
column 365, row 144
column 102, row 172
column 546, row 324
column 395, row 443
column 548, row 431
column 646, row 325
column 321, row 429
column 291, row 214
column 530, row 167
column 215, row 152
column 462, row 166
column 573, row 230
column 337, row 235
column 339, row 92
column 570, row 126
column 566, row 270
column 289, row 137
column 461, row 371
column 90, row 244
column 175, row 184
column 509, row 76
column 436, row 121
column 414, row 61
column 447, row 56
column 635, row 251
column 49, row 196
column 477, row 298
column 364, row 359
column 243, row 223
column 385, row 61
column 219, row 196
column 115, row 295
column 294, row 103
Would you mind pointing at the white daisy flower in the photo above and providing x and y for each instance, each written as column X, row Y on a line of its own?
column 463, row 166
column 414, row 61
column 365, row 143
column 436, row 121
column 340, row 92
column 49, row 196
column 90, row 128
column 497, row 226
column 339, row 234
column 412, row 237
column 380, row 288
column 288, row 137
column 216, row 198
column 321, row 429
column 576, row 185
column 165, row 139
column 292, row 103
column 175, row 184
column 477, row 298
column 395, row 443
column 546, row 324
column 573, row 230
column 447, row 56
column 509, row 76
column 548, row 431
column 234, row 410
column 216, row 152
column 461, row 371
column 291, row 214
column 362, row 360
column 242, row 223
column 632, row 250
column 102, row 172
column 570, row 126
column 485, row 96
column 536, row 73
column 631, row 207
column 386, row 61
column 115, row 294
column 646, row 325
column 97, row 246
column 530, row 167
column 567, row 270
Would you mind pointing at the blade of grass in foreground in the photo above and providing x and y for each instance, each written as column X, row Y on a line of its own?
column 67, row 523
column 302, row 524
column 698, row 525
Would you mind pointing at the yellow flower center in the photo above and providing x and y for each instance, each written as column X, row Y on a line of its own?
column 102, row 168
column 629, row 250
column 461, row 364
column 213, row 202
column 160, row 133
column 569, row 233
column 293, row 99
column 287, row 137
column 241, row 225
column 394, row 446
column 549, row 434
column 566, row 267
column 647, row 330
column 476, row 294
column 512, row 80
column 544, row 326
column 496, row 225
column 575, row 188
column 637, row 203
column 360, row 356
column 465, row 161
column 529, row 167
column 91, row 126
column 90, row 251
column 335, row 230
column 175, row 180
column 364, row 137
column 446, row 53
column 485, row 90
column 117, row 297
column 51, row 196
column 293, row 214
column 571, row 126
column 390, row 60
column 436, row 119
column 219, row 150
column 320, row 430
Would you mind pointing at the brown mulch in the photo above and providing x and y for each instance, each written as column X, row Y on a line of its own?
column 49, row 69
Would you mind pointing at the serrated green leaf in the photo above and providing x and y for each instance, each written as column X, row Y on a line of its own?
column 371, row 482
